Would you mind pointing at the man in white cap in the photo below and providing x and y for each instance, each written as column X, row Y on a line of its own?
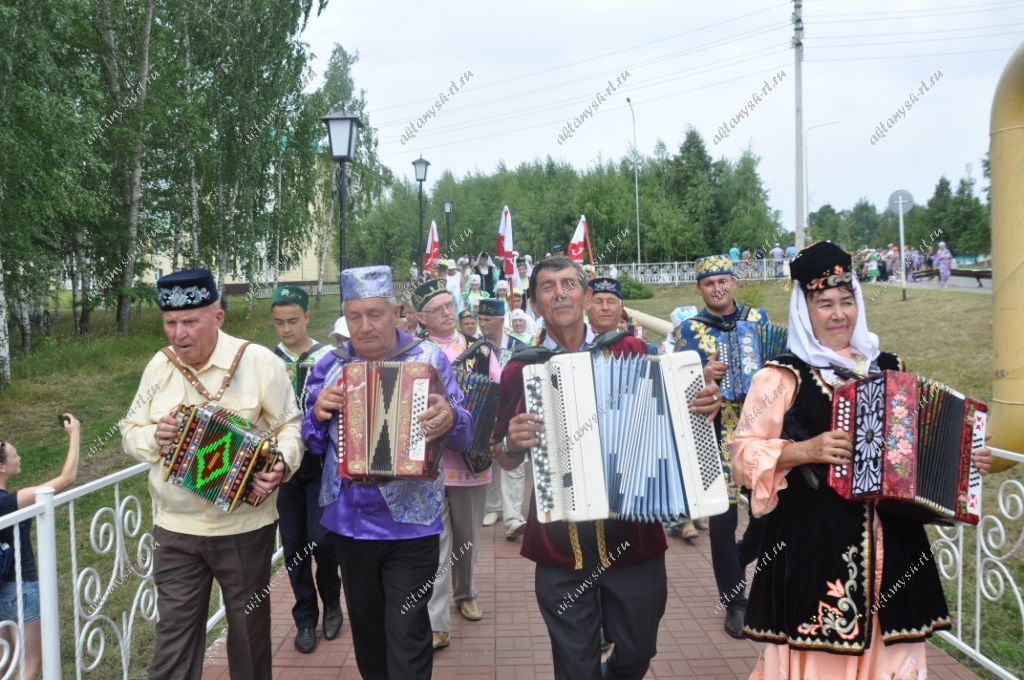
column 385, row 531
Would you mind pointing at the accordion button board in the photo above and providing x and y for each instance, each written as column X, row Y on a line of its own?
column 619, row 439
column 912, row 443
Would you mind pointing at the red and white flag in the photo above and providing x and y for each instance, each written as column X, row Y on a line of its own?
column 579, row 238
column 504, row 247
column 433, row 252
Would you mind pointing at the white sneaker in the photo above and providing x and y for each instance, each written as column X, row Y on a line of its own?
column 515, row 529
column 491, row 518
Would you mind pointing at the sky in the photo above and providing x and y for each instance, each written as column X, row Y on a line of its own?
column 537, row 65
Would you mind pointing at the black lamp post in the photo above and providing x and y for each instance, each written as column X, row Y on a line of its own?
column 420, row 165
column 342, row 133
column 448, row 226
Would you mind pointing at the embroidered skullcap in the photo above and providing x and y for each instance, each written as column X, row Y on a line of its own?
column 187, row 289
column 501, row 285
column 606, row 285
column 360, row 283
column 491, row 307
column 821, row 265
column 465, row 314
column 290, row 295
column 713, row 265
column 427, row 291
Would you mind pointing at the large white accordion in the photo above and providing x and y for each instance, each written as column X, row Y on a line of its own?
column 620, row 441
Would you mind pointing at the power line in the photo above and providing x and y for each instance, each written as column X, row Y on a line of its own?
column 603, row 74
column 600, row 56
column 918, row 56
column 995, row 6
column 921, row 40
column 903, row 33
column 559, row 121
column 650, row 82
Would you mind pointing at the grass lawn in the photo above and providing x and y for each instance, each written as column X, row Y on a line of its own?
column 96, row 378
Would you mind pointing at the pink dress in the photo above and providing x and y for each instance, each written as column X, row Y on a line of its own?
column 756, row 448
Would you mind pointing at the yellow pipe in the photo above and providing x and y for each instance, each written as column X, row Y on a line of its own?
column 1006, row 154
column 651, row 323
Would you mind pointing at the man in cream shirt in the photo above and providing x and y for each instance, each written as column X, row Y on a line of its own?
column 195, row 541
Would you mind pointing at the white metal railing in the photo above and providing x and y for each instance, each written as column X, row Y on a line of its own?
column 121, row 531
column 683, row 272
column 997, row 547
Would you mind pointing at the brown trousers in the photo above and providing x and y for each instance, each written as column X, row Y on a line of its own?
column 184, row 571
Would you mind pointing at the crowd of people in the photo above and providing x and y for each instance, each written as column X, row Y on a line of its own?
column 378, row 540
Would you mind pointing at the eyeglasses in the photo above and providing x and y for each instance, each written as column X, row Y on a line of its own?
column 441, row 309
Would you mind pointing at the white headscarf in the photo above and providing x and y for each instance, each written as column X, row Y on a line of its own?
column 803, row 343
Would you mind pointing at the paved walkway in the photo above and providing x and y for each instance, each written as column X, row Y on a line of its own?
column 511, row 642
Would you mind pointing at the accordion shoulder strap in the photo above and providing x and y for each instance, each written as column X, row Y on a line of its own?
column 194, row 381
column 602, row 340
column 469, row 351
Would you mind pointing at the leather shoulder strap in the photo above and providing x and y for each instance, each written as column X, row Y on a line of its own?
column 194, row 381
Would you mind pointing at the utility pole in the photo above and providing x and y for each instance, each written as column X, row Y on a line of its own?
column 798, row 57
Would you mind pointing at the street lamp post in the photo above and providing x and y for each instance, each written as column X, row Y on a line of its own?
column 636, row 186
column 448, row 225
column 342, row 134
column 420, row 167
column 807, row 171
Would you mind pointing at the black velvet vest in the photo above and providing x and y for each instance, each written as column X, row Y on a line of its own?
column 814, row 580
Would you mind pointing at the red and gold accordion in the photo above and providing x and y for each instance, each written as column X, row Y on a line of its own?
column 912, row 443
column 216, row 454
column 379, row 433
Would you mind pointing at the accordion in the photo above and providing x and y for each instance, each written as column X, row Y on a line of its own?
column 481, row 400
column 379, row 432
column 216, row 454
column 744, row 350
column 619, row 439
column 912, row 442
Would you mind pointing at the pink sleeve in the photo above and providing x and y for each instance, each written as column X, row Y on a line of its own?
column 756, row 445
column 494, row 367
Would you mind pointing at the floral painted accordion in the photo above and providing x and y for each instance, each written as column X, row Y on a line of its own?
column 216, row 454
column 481, row 400
column 620, row 441
column 744, row 350
column 379, row 432
column 912, row 442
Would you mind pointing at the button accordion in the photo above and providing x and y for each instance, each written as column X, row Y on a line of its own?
column 912, row 443
column 379, row 432
column 619, row 439
column 216, row 454
column 744, row 350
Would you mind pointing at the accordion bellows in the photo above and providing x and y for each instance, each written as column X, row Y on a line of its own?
column 620, row 441
column 912, row 443
column 216, row 454
column 379, row 433
column 481, row 400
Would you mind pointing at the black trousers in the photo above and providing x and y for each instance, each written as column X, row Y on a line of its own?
column 184, row 569
column 729, row 558
column 299, row 509
column 629, row 602
column 387, row 588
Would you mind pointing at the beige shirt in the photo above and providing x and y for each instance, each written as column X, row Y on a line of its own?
column 259, row 391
